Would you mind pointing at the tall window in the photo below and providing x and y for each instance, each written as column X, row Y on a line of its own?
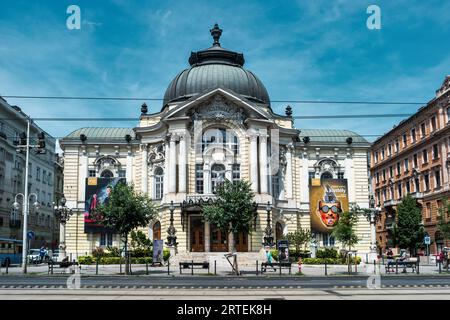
column 220, row 137
column 417, row 184
column 405, row 140
column 276, row 185
column 423, row 130
column 340, row 175
column 382, row 154
column 199, row 178
column 38, row 174
column 426, row 178
column 413, row 135
column 433, row 124
column 397, row 146
column 415, row 160
column 425, row 156
column 389, row 149
column 217, row 176
column 437, row 178
column 435, row 151
column 448, row 114
column 106, row 239
column 399, row 189
column 376, row 155
column 236, row 172
column 398, row 168
column 408, row 188
column 384, row 174
column 406, row 165
column 159, row 183
column 391, row 172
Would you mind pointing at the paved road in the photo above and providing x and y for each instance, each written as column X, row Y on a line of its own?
column 217, row 282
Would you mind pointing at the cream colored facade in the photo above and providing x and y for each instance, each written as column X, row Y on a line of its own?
column 177, row 155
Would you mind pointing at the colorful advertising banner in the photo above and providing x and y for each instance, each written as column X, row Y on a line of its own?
column 97, row 192
column 328, row 198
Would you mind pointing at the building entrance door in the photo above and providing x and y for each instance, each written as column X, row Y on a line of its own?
column 197, row 234
column 241, row 242
column 218, row 238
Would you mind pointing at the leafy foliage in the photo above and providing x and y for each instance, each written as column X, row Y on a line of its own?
column 344, row 231
column 233, row 210
column 408, row 231
column 327, row 253
column 125, row 211
column 298, row 238
column 139, row 240
column 443, row 225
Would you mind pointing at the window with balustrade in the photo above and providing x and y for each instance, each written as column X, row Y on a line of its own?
column 159, row 182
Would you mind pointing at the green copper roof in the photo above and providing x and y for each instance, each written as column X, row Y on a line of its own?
column 101, row 133
column 331, row 135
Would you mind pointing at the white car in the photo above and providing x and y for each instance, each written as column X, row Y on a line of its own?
column 33, row 256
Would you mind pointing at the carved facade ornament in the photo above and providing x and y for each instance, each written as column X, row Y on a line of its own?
column 156, row 153
column 283, row 161
column 326, row 165
column 106, row 162
column 218, row 109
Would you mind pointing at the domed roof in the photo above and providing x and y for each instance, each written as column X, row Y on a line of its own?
column 212, row 68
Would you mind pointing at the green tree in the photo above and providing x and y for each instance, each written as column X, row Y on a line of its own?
column 299, row 238
column 233, row 209
column 408, row 230
column 443, row 224
column 344, row 231
column 140, row 243
column 125, row 211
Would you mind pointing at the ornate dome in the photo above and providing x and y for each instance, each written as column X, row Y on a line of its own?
column 216, row 67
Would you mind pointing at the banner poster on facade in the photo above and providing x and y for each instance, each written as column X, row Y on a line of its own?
column 328, row 198
column 157, row 251
column 97, row 192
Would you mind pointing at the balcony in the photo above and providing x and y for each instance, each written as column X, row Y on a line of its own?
column 390, row 203
column 417, row 195
column 14, row 223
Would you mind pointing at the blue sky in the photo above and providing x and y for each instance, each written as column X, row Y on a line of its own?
column 301, row 50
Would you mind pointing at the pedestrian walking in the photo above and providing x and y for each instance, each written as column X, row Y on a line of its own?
column 300, row 262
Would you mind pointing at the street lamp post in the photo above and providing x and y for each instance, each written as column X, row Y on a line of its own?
column 62, row 213
column 171, row 238
column 25, row 207
column 268, row 233
column 372, row 217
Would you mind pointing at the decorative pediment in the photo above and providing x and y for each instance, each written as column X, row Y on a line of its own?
column 218, row 109
column 326, row 165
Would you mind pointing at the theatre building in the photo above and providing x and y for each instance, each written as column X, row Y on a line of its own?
column 215, row 123
column 413, row 158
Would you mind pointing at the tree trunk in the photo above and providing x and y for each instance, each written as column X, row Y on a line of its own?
column 127, row 258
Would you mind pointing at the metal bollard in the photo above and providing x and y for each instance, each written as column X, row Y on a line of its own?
column 396, row 267
column 256, row 267
column 146, row 267
column 120, row 265
column 326, row 268
column 96, row 267
column 215, row 267
column 374, row 267
column 192, row 268
column 418, row 263
column 6, row 267
column 168, row 267
column 279, row 266
column 440, row 267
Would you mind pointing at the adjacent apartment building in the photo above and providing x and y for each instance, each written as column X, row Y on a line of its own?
column 414, row 158
column 41, row 180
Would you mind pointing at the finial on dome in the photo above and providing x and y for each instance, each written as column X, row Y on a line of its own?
column 216, row 32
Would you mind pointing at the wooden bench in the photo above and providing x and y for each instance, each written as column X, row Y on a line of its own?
column 274, row 265
column 193, row 265
column 391, row 265
column 63, row 264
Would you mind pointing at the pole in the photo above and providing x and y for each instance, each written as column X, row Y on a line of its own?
column 168, row 267
column 374, row 267
column 256, row 267
column 440, row 267
column 215, row 267
column 146, row 266
column 25, row 203
column 326, row 268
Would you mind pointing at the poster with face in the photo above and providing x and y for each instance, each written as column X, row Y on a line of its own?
column 97, row 192
column 328, row 198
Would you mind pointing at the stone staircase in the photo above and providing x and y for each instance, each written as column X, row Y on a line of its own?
column 245, row 259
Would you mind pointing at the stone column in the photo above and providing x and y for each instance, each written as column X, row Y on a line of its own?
column 182, row 164
column 172, row 165
column 304, row 178
column 254, row 162
column 207, row 237
column 129, row 172
column 288, row 178
column 263, row 162
column 206, row 178
column 166, row 167
column 144, row 171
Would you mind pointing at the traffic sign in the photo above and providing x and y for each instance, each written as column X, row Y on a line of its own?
column 427, row 240
column 31, row 234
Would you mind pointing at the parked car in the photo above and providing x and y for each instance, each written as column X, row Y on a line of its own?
column 33, row 256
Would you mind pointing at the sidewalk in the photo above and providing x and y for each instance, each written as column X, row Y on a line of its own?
column 141, row 269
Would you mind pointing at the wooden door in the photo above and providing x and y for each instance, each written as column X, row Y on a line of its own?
column 219, row 241
column 197, row 235
column 241, row 242
column 157, row 231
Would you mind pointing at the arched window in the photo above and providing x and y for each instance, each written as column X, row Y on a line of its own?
column 157, row 231
column 326, row 175
column 217, row 176
column 159, row 183
column 106, row 174
column 220, row 137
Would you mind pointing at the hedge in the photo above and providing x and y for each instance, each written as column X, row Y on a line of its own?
column 330, row 261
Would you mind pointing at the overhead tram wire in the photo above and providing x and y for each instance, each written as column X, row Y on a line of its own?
column 161, row 99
